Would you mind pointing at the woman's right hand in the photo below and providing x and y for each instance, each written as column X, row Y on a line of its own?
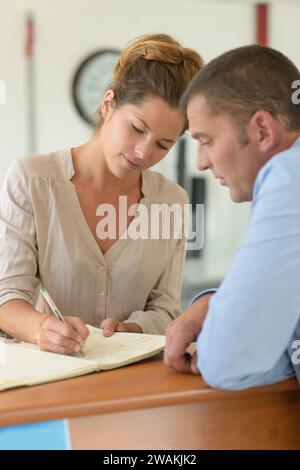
column 59, row 337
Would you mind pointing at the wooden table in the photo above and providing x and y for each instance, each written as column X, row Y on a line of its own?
column 148, row 406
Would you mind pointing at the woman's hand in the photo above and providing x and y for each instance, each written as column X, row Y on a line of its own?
column 59, row 337
column 110, row 325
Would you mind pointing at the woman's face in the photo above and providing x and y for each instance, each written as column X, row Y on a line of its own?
column 136, row 137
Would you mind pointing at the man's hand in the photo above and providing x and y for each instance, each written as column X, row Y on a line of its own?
column 181, row 333
column 59, row 337
column 110, row 325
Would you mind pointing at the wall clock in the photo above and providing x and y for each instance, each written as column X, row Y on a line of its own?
column 90, row 82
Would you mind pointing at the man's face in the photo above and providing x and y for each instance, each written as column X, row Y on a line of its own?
column 220, row 148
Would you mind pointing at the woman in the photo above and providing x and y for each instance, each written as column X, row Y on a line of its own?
column 54, row 208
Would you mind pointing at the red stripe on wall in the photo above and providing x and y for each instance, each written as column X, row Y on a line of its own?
column 262, row 11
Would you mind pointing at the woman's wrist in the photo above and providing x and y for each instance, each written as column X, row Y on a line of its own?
column 37, row 336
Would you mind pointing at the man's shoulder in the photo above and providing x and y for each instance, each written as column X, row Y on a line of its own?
column 281, row 172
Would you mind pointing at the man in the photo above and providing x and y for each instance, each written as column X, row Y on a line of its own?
column 242, row 111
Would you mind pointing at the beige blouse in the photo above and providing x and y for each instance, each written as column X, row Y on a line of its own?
column 45, row 239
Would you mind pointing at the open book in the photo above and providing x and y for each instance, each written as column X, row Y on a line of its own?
column 24, row 364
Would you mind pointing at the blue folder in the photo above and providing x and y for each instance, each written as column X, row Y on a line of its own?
column 46, row 435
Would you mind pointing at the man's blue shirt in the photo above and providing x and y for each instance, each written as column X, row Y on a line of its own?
column 255, row 315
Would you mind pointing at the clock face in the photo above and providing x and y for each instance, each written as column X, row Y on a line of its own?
column 90, row 82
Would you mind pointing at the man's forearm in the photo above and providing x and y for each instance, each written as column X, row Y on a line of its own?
column 199, row 309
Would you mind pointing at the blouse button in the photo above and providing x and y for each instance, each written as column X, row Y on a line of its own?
column 101, row 292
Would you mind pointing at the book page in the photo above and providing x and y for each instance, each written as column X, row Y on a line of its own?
column 120, row 348
column 24, row 364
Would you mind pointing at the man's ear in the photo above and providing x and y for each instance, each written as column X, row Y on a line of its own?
column 264, row 128
column 106, row 104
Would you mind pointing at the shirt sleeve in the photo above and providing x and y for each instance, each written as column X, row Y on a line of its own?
column 18, row 254
column 202, row 294
column 163, row 304
column 252, row 317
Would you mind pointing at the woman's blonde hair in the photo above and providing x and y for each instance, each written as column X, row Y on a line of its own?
column 153, row 65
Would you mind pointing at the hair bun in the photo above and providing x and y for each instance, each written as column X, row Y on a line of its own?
column 156, row 48
column 163, row 52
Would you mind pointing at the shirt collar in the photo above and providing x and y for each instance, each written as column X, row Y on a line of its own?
column 297, row 142
column 65, row 157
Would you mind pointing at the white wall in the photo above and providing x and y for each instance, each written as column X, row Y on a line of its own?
column 69, row 30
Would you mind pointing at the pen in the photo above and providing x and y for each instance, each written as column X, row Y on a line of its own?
column 52, row 305
column 54, row 308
